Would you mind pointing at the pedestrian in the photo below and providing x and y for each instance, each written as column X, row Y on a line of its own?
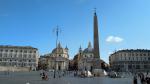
column 74, row 74
column 147, row 73
column 44, row 76
column 147, row 80
column 143, row 81
column 63, row 73
column 135, row 80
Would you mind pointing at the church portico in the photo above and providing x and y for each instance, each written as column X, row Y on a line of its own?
column 60, row 65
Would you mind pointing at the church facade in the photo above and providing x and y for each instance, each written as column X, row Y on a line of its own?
column 85, row 58
column 58, row 59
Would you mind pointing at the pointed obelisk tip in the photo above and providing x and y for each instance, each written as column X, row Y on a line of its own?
column 95, row 11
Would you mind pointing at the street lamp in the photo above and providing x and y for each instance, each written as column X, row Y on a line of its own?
column 57, row 31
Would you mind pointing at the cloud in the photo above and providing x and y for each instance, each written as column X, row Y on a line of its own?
column 114, row 39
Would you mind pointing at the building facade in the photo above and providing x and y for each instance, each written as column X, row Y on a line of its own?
column 130, row 60
column 58, row 59
column 19, row 56
column 85, row 59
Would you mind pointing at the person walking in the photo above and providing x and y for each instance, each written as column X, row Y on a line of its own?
column 135, row 80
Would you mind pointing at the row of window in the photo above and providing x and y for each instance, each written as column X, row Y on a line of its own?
column 11, row 60
column 133, row 66
column 17, row 64
column 66, row 56
column 25, row 51
column 136, row 58
column 15, row 56
column 134, row 54
column 121, row 57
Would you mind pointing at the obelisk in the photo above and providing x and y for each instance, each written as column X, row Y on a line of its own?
column 96, row 37
column 97, row 71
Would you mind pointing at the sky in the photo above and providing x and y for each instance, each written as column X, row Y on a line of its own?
column 123, row 24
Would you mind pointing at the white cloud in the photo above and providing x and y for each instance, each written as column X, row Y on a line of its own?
column 114, row 39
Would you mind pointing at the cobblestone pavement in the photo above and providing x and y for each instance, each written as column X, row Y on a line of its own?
column 34, row 78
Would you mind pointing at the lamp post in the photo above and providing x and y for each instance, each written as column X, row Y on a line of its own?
column 57, row 31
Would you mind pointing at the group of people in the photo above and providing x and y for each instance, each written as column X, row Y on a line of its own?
column 56, row 74
column 141, row 78
column 44, row 76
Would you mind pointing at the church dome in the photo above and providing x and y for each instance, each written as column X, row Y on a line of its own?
column 89, row 49
column 59, row 49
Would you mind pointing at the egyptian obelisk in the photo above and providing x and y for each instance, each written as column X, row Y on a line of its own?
column 96, row 38
column 97, row 70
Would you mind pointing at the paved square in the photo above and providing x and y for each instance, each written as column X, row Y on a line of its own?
column 34, row 78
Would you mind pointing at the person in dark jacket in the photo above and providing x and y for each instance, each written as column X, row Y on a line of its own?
column 135, row 80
